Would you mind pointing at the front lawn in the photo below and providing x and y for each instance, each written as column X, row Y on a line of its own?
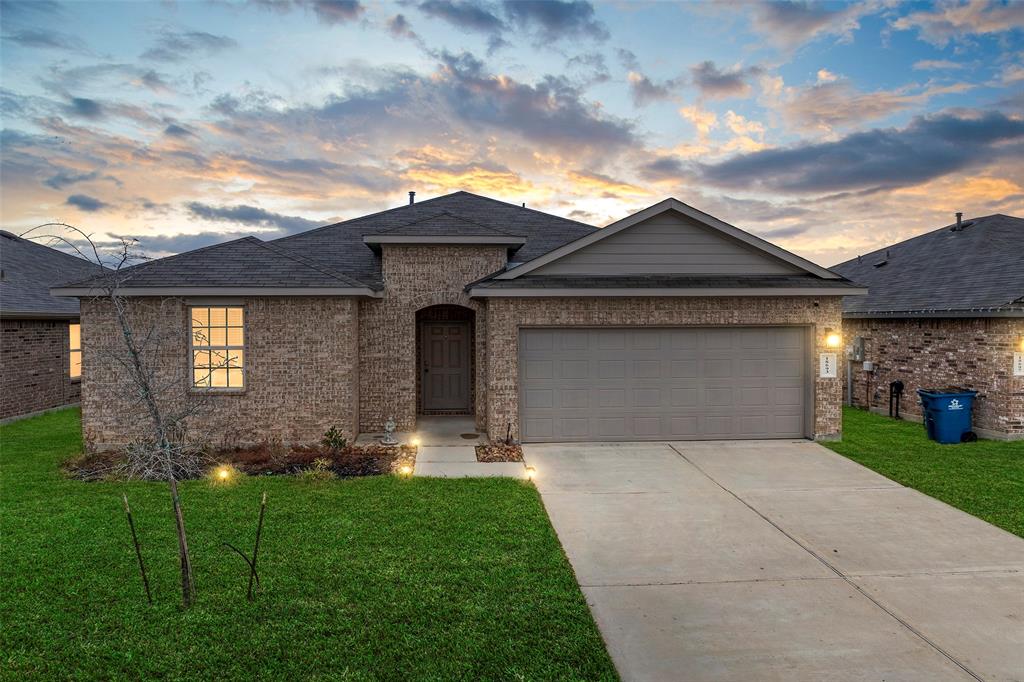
column 985, row 478
column 373, row 578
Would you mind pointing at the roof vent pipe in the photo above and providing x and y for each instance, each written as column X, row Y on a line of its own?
column 959, row 221
column 412, row 197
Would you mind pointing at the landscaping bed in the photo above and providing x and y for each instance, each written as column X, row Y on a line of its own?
column 372, row 578
column 268, row 459
column 499, row 452
column 984, row 478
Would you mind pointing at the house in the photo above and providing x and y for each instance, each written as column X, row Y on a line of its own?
column 944, row 309
column 669, row 324
column 40, row 351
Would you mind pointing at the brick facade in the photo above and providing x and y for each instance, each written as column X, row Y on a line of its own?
column 416, row 277
column 36, row 371
column 972, row 353
column 301, row 368
column 507, row 315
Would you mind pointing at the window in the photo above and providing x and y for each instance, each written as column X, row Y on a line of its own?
column 218, row 356
column 75, row 354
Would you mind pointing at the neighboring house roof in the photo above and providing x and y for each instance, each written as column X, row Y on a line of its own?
column 242, row 266
column 29, row 270
column 977, row 271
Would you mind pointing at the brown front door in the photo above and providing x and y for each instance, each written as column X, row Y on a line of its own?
column 444, row 354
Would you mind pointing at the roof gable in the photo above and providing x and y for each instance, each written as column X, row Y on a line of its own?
column 974, row 271
column 669, row 238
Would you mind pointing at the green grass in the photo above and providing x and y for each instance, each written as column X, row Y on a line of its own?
column 985, row 478
column 376, row 578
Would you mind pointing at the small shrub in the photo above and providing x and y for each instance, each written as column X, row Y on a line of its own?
column 334, row 439
column 319, row 472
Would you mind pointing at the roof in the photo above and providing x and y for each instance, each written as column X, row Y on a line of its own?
column 29, row 270
column 666, row 285
column 247, row 263
column 977, row 271
column 333, row 256
column 341, row 246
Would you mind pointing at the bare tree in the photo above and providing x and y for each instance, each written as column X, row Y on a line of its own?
column 152, row 383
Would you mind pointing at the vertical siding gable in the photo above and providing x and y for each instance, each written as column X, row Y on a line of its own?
column 668, row 244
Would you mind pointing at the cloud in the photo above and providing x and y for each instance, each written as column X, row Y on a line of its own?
column 464, row 14
column 936, row 65
column 837, row 103
column 175, row 130
column 84, row 107
column 702, row 119
column 399, row 27
column 826, row 76
column 336, row 11
column 952, row 20
column 603, row 185
column 556, row 19
column 645, row 92
column 927, row 148
column 158, row 246
column 717, row 83
column 662, row 168
column 176, row 46
column 85, row 203
column 791, row 23
column 65, row 178
column 250, row 215
column 47, row 39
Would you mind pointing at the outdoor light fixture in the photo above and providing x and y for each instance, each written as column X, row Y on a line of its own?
column 415, row 442
column 405, row 470
column 531, row 472
column 223, row 473
column 832, row 338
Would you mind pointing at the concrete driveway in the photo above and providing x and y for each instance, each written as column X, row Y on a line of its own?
column 777, row 560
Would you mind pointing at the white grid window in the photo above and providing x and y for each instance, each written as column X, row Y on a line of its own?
column 218, row 354
column 75, row 346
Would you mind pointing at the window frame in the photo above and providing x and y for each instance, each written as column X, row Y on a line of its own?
column 192, row 348
column 72, row 350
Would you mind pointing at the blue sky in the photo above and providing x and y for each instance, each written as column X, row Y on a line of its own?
column 830, row 128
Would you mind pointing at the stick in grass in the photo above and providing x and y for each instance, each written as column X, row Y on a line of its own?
column 256, row 548
column 138, row 550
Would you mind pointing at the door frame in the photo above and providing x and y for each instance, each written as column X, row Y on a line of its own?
column 467, row 361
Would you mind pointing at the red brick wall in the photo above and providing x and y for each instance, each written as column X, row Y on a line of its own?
column 34, row 364
column 971, row 353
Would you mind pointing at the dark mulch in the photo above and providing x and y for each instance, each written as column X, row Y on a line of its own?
column 272, row 459
column 499, row 452
column 347, row 462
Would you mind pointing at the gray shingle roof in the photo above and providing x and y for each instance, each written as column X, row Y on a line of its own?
column 664, row 282
column 446, row 224
column 29, row 270
column 976, row 271
column 247, row 262
column 340, row 246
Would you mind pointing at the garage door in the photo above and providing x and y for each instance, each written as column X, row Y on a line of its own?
column 662, row 384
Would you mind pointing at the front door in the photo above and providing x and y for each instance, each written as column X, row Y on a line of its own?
column 444, row 374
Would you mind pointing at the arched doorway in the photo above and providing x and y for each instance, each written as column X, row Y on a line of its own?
column 445, row 359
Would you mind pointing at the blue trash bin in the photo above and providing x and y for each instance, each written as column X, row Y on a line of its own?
column 947, row 415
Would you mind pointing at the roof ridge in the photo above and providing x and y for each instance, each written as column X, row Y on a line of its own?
column 524, row 208
column 310, row 263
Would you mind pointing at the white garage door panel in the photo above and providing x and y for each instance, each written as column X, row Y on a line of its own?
column 662, row 384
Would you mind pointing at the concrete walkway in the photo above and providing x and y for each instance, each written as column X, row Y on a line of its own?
column 780, row 560
column 459, row 461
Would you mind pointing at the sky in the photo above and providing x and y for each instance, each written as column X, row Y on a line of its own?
column 831, row 129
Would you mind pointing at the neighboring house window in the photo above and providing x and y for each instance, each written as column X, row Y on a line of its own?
column 75, row 344
column 218, row 357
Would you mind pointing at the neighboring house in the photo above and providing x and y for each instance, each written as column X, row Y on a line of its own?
column 669, row 324
column 944, row 309
column 40, row 351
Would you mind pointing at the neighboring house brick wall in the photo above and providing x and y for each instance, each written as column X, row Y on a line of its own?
column 35, row 367
column 507, row 315
column 416, row 277
column 302, row 371
column 972, row 353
